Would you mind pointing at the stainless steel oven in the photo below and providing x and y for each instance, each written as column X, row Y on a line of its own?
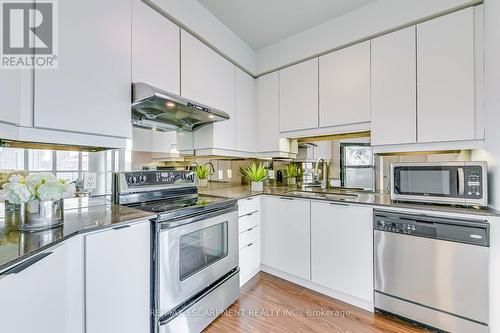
column 459, row 183
column 194, row 253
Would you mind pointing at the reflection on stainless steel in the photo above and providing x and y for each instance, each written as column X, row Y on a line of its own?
column 37, row 215
column 30, row 241
column 432, row 270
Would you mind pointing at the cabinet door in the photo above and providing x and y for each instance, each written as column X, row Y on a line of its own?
column 155, row 49
column 246, row 117
column 16, row 97
column 445, row 75
column 117, row 279
column 342, row 248
column 285, row 231
column 90, row 90
column 208, row 78
column 394, row 90
column 47, row 296
column 298, row 96
column 344, row 86
column 154, row 141
column 269, row 116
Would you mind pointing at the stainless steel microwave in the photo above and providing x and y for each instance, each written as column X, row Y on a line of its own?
column 453, row 183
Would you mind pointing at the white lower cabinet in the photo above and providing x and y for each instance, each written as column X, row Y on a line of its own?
column 342, row 248
column 285, row 241
column 249, row 237
column 44, row 294
column 117, row 279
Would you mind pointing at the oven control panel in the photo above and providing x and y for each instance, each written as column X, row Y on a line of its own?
column 473, row 182
column 158, row 178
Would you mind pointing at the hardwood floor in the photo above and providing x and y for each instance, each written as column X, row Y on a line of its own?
column 270, row 304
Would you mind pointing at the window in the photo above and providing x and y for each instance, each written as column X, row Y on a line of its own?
column 40, row 160
column 67, row 160
column 11, row 159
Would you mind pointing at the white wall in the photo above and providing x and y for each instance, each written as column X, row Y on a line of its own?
column 376, row 18
column 491, row 153
column 197, row 18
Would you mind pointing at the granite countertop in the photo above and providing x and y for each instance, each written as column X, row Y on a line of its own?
column 80, row 215
column 236, row 191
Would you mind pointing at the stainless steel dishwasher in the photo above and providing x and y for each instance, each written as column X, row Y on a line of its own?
column 432, row 270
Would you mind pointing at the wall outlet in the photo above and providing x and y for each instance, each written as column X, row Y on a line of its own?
column 89, row 181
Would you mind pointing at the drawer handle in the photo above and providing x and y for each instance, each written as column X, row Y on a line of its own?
column 121, row 227
column 250, row 214
column 339, row 204
column 249, row 244
column 250, row 229
column 286, row 198
column 25, row 264
column 251, row 198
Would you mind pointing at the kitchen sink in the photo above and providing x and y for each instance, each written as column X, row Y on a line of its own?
column 324, row 195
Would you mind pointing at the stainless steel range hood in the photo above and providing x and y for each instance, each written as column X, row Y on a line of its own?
column 160, row 110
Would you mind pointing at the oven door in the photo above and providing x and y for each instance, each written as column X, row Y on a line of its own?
column 195, row 254
column 428, row 183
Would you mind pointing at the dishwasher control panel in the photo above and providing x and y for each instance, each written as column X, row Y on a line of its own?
column 474, row 232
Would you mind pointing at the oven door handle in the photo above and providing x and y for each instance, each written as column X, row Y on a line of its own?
column 461, row 181
column 174, row 223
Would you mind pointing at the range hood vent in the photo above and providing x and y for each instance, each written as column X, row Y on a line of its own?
column 156, row 109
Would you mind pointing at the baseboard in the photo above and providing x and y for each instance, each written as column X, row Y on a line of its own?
column 360, row 303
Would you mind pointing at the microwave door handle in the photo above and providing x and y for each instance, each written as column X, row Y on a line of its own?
column 461, row 181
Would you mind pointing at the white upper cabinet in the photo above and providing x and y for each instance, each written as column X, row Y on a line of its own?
column 155, row 49
column 393, row 88
column 89, row 92
column 298, row 96
column 208, row 78
column 246, row 113
column 285, row 230
column 147, row 140
column 117, row 279
column 16, row 97
column 269, row 117
column 342, row 248
column 445, row 76
column 47, row 295
column 344, row 86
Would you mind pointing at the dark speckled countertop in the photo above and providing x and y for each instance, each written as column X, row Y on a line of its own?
column 80, row 215
column 236, row 191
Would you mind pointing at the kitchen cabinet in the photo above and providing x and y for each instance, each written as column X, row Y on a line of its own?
column 89, row 92
column 249, row 237
column 445, row 77
column 246, row 113
column 47, row 295
column 393, row 88
column 342, row 248
column 285, row 235
column 155, row 49
column 298, row 96
column 147, row 140
column 16, row 97
column 117, row 295
column 208, row 78
column 269, row 117
column 344, row 86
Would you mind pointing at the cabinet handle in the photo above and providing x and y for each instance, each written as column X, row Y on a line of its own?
column 25, row 264
column 250, row 229
column 121, row 227
column 249, row 214
column 251, row 198
column 249, row 244
column 286, row 198
column 339, row 204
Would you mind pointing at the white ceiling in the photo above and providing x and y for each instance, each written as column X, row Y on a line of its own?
column 260, row 23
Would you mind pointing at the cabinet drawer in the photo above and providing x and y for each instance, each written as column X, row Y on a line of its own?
column 249, row 261
column 248, row 221
column 249, row 236
column 248, row 205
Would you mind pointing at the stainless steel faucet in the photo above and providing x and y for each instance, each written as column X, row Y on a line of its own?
column 211, row 167
column 325, row 181
column 193, row 165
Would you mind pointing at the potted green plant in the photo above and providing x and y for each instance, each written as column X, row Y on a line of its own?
column 202, row 173
column 256, row 174
column 291, row 173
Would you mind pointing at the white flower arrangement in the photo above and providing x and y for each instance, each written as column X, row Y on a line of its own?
column 41, row 186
